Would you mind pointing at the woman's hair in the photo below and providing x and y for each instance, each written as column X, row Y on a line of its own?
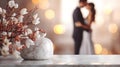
column 93, row 11
column 82, row 0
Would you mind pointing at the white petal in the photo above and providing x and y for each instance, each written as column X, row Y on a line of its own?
column 4, row 53
column 20, row 19
column 9, row 34
column 5, row 48
column 35, row 16
column 16, row 5
column 18, row 43
column 12, row 18
column 0, row 10
column 14, row 14
column 36, row 29
column 44, row 34
column 11, row 3
column 23, row 11
column 37, row 34
column 4, row 33
column 29, row 42
column 4, row 11
column 36, row 21
column 25, row 26
column 29, row 31
column 4, row 21
column 15, row 20
column 17, row 54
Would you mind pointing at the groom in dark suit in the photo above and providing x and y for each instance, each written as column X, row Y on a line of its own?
column 78, row 30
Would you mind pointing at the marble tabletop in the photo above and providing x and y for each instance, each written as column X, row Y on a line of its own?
column 65, row 60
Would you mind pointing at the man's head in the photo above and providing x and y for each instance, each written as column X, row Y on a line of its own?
column 82, row 3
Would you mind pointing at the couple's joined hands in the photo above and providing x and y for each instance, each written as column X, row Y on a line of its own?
column 78, row 24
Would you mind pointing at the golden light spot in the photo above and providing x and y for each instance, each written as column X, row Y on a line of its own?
column 50, row 14
column 44, row 4
column 59, row 29
column 98, row 48
column 108, row 10
column 113, row 28
column 35, row 1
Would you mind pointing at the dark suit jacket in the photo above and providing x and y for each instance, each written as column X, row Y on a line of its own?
column 77, row 17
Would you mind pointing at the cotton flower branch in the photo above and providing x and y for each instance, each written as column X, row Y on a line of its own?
column 14, row 28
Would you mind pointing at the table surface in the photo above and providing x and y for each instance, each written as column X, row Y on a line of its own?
column 66, row 60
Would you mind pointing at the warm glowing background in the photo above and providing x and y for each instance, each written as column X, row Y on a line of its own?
column 56, row 19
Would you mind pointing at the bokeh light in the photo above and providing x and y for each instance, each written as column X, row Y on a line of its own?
column 59, row 29
column 98, row 48
column 108, row 10
column 35, row 1
column 50, row 14
column 43, row 4
column 113, row 28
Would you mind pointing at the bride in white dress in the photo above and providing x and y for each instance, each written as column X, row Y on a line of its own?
column 87, row 47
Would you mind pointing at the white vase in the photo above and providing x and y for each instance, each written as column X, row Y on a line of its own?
column 44, row 50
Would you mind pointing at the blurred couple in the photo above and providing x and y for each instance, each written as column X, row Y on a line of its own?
column 82, row 29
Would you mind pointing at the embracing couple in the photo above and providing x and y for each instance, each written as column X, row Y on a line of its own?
column 82, row 29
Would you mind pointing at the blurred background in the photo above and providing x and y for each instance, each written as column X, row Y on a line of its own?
column 56, row 20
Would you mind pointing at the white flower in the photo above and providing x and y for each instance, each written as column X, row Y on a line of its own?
column 14, row 14
column 36, row 29
column 9, row 34
column 4, row 33
column 28, row 31
column 25, row 26
column 4, row 11
column 20, row 18
column 16, row 54
column 18, row 44
column 44, row 34
column 15, row 20
column 36, row 21
column 5, row 50
column 37, row 34
column 16, row 6
column 5, row 21
column 29, row 42
column 11, row 3
column 35, row 16
column 6, row 42
column 1, row 10
column 12, row 18
column 23, row 11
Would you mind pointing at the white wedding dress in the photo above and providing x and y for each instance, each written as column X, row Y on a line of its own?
column 87, row 47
